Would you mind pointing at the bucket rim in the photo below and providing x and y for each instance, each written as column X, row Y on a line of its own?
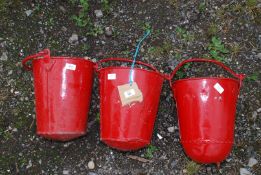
column 45, row 55
column 136, row 68
column 67, row 58
column 201, row 78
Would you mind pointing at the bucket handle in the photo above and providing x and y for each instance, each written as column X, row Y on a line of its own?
column 129, row 61
column 238, row 76
column 44, row 53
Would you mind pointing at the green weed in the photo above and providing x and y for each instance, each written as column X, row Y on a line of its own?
column 95, row 31
column 73, row 1
column 22, row 161
column 85, row 47
column 212, row 29
column 3, row 95
column 50, row 21
column 126, row 53
column 5, row 161
column 217, row 49
column 54, row 44
column 252, row 77
column 6, row 134
column 235, row 49
column 251, row 3
column 192, row 168
column 97, row 118
column 3, row 5
column 82, row 20
column 184, row 35
column 155, row 51
column 85, row 4
column 105, row 6
column 181, row 72
column 37, row 8
column 221, row 13
column 1, row 130
column 202, row 7
column 254, row 10
column 173, row 3
column 150, row 150
column 160, row 50
column 178, row 55
column 146, row 26
column 237, row 8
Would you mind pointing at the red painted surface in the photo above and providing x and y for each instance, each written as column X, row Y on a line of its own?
column 62, row 95
column 128, row 127
column 206, row 117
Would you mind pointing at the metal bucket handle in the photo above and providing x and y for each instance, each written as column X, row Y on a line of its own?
column 239, row 76
column 130, row 61
column 42, row 54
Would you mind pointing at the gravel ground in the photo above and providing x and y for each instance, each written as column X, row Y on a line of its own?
column 180, row 30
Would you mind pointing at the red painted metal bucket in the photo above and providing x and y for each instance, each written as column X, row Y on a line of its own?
column 62, row 92
column 206, row 108
column 128, row 127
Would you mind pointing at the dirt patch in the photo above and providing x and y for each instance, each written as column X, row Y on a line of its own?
column 180, row 30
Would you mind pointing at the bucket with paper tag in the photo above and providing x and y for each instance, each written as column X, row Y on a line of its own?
column 206, row 108
column 62, row 93
column 128, row 110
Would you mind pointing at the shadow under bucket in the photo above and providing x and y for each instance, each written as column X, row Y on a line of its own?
column 128, row 127
column 62, row 93
column 206, row 108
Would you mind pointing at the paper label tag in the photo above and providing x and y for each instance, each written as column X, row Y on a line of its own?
column 111, row 76
column 219, row 88
column 70, row 66
column 130, row 93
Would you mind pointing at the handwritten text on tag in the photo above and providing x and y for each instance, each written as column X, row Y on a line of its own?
column 129, row 93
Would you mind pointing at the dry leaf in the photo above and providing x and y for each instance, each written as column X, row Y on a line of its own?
column 139, row 158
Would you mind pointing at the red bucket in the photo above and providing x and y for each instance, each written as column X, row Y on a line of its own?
column 62, row 92
column 128, row 127
column 206, row 108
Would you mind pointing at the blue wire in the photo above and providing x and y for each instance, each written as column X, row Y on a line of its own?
column 136, row 54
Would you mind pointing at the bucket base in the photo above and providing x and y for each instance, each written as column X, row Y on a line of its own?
column 61, row 136
column 207, row 152
column 126, row 145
